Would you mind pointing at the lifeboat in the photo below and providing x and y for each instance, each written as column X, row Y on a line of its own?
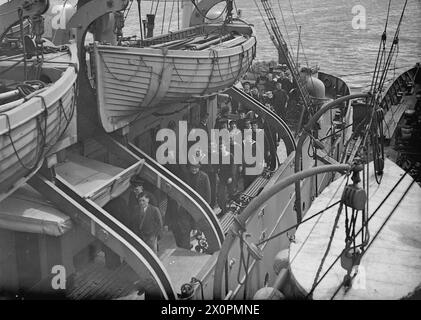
column 35, row 114
column 195, row 62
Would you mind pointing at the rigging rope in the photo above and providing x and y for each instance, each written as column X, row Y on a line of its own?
column 264, row 20
column 395, row 43
column 332, row 234
column 178, row 14
column 172, row 12
column 25, row 67
column 163, row 17
column 139, row 9
column 150, row 11
column 298, row 32
column 286, row 29
column 156, row 9
column 377, row 233
column 127, row 11
column 374, row 126
column 372, row 215
column 12, row 66
column 42, row 144
column 297, row 225
column 380, row 52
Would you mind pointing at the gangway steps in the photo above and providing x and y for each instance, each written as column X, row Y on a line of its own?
column 191, row 200
column 110, row 231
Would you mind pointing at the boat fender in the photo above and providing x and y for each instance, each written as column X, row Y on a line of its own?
column 268, row 293
column 281, row 261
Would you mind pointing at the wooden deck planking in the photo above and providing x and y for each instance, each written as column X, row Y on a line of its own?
column 183, row 264
column 394, row 256
column 95, row 281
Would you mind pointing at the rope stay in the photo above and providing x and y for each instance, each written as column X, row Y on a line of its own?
column 347, row 279
column 300, row 42
column 171, row 15
column 163, row 17
column 285, row 26
column 353, row 203
column 374, row 128
column 284, row 53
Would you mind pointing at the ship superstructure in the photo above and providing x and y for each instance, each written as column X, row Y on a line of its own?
column 67, row 214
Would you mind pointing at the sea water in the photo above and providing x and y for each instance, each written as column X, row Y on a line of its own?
column 340, row 36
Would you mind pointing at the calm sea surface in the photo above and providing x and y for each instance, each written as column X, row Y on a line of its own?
column 328, row 36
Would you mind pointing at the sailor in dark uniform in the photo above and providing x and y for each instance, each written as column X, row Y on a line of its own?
column 199, row 181
column 280, row 98
column 227, row 175
column 203, row 124
column 148, row 222
column 241, row 120
column 249, row 142
column 171, row 214
column 138, row 188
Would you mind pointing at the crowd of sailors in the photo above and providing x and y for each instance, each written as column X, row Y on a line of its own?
column 217, row 184
column 275, row 90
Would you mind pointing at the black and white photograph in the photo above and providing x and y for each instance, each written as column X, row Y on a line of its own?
column 229, row 151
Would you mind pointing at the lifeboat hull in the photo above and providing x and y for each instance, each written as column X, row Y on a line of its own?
column 130, row 80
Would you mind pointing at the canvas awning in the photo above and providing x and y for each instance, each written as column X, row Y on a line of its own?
column 26, row 210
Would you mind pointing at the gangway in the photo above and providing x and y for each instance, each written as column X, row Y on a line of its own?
column 81, row 186
column 176, row 188
column 271, row 117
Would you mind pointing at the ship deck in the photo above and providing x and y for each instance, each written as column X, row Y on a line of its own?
column 391, row 264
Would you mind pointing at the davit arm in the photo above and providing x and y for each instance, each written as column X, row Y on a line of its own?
column 9, row 12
